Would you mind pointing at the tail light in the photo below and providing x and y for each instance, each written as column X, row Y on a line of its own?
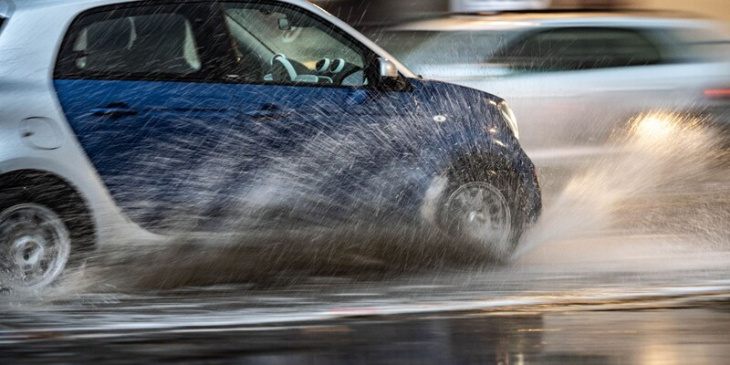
column 718, row 93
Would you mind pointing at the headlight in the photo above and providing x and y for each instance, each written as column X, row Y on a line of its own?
column 509, row 117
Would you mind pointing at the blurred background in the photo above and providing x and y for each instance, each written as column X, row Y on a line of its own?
column 370, row 11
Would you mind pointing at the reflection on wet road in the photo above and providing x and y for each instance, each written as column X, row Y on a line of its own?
column 695, row 335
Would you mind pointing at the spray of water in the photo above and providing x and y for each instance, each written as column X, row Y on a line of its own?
column 660, row 154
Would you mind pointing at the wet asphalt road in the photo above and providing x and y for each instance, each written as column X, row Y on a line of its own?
column 659, row 333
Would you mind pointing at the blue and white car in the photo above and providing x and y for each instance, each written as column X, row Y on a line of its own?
column 138, row 120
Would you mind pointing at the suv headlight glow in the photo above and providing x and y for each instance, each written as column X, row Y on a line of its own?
column 509, row 117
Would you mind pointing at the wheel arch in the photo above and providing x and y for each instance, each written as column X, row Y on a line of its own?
column 522, row 174
column 490, row 161
column 59, row 193
column 496, row 166
column 493, row 164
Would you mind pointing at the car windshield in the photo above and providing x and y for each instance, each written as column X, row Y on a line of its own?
column 441, row 48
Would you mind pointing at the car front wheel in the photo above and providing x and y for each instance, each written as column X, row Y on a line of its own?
column 478, row 210
column 479, row 204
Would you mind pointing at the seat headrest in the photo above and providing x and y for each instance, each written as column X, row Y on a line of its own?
column 109, row 35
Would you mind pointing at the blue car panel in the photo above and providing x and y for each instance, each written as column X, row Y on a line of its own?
column 168, row 149
column 145, row 139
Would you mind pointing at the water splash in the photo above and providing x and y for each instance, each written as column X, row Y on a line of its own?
column 660, row 153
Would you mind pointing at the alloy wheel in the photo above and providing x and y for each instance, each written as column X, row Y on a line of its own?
column 34, row 245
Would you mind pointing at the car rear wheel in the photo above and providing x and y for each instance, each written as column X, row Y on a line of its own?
column 35, row 245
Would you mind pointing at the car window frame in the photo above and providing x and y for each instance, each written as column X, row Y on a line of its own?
column 370, row 58
column 500, row 54
column 208, row 49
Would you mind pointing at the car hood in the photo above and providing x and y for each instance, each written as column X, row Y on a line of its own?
column 429, row 86
column 457, row 102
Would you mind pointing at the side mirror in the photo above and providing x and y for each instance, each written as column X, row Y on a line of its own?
column 390, row 78
column 388, row 70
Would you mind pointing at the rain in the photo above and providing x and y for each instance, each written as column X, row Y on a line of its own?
column 263, row 232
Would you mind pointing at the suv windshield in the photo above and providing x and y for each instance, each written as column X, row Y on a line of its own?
column 439, row 48
column 579, row 48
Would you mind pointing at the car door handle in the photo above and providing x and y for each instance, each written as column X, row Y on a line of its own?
column 269, row 111
column 114, row 111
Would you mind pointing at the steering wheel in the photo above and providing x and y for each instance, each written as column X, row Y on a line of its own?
column 338, row 70
column 282, row 69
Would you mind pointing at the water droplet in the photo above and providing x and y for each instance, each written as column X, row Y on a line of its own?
column 439, row 118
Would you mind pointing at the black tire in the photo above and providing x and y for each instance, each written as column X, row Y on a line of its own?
column 497, row 223
column 43, row 230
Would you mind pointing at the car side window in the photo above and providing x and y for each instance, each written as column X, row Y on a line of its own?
column 570, row 49
column 144, row 42
column 286, row 45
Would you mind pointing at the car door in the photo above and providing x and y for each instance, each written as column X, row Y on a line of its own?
column 306, row 94
column 140, row 86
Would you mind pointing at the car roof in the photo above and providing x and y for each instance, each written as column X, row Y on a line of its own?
column 27, row 4
column 527, row 20
column 57, row 13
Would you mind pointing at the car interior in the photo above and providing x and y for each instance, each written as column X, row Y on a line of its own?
column 273, row 46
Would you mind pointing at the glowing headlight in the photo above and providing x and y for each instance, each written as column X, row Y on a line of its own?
column 509, row 117
column 656, row 126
